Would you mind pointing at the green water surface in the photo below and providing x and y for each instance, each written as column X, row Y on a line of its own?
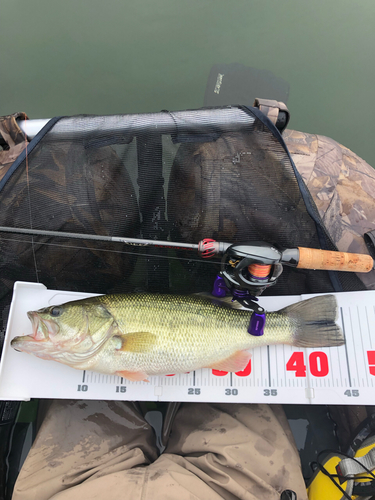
column 88, row 56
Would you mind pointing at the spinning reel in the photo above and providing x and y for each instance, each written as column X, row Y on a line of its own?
column 248, row 269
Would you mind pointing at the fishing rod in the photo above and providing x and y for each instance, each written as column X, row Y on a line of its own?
column 255, row 252
column 247, row 269
column 256, row 258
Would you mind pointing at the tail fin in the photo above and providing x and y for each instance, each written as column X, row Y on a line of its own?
column 314, row 322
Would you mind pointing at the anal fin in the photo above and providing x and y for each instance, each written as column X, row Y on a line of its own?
column 133, row 376
column 235, row 363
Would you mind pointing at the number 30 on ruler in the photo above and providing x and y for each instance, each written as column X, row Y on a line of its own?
column 318, row 363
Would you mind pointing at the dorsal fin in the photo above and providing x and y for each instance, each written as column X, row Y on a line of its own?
column 220, row 301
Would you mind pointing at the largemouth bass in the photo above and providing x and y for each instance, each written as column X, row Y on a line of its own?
column 138, row 335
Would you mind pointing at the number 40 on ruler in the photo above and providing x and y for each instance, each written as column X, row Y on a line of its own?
column 318, row 363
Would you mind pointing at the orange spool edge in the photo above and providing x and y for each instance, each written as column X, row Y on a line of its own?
column 259, row 270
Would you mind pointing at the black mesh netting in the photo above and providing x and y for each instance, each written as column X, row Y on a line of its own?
column 227, row 176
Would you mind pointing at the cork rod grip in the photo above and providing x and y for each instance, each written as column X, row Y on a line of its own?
column 311, row 258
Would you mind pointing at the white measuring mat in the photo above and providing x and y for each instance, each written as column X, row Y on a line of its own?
column 275, row 374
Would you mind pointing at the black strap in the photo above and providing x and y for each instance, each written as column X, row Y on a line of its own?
column 364, row 489
column 370, row 242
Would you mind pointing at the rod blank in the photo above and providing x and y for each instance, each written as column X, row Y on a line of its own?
column 118, row 239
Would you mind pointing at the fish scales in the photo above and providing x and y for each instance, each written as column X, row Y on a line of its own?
column 137, row 335
column 189, row 331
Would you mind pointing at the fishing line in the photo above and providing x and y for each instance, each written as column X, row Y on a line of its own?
column 117, row 251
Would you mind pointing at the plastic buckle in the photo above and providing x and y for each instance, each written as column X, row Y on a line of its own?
column 257, row 323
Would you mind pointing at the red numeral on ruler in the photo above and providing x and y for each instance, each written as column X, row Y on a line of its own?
column 318, row 364
column 371, row 361
column 297, row 363
column 243, row 373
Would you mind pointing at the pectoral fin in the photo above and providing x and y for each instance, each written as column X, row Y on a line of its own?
column 136, row 342
column 134, row 376
column 235, row 363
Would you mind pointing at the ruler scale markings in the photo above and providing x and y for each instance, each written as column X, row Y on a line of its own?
column 363, row 347
column 339, row 363
column 354, row 348
column 338, row 378
column 346, row 348
column 277, row 371
column 331, row 365
column 368, row 328
column 310, row 382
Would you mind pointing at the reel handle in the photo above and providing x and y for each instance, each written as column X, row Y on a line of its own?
column 312, row 258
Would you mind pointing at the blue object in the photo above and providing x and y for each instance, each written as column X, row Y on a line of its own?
column 220, row 289
column 257, row 323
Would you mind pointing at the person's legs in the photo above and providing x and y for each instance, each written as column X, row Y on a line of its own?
column 244, row 451
column 101, row 450
column 79, row 441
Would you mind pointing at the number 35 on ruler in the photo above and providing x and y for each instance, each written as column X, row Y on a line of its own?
column 318, row 363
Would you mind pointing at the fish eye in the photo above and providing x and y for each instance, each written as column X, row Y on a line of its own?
column 56, row 311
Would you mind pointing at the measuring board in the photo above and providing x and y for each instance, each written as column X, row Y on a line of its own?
column 275, row 374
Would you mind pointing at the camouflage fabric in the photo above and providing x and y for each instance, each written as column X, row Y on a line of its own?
column 13, row 141
column 343, row 188
column 271, row 109
column 80, row 192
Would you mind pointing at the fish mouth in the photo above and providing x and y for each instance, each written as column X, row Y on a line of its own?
column 43, row 332
column 43, row 329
